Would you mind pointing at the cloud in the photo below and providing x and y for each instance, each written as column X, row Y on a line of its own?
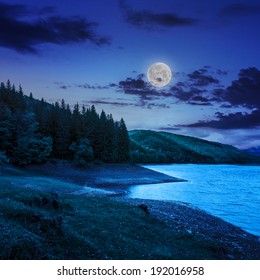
column 221, row 72
column 118, row 103
column 199, row 78
column 104, row 102
column 26, row 35
column 150, row 105
column 63, row 87
column 231, row 121
column 88, row 86
column 192, row 89
column 238, row 9
column 201, row 88
column 246, row 90
column 137, row 86
column 149, row 20
column 185, row 93
column 196, row 88
column 13, row 10
column 200, row 100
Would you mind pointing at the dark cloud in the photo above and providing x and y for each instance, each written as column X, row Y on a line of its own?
column 153, row 105
column 199, row 78
column 185, row 93
column 246, row 90
column 200, row 103
column 145, row 93
column 26, row 35
column 148, row 19
column 238, row 9
column 200, row 100
column 118, row 103
column 232, row 121
column 88, row 86
column 219, row 94
column 13, row 10
column 221, row 72
column 137, row 86
column 192, row 90
column 112, row 85
column 63, row 85
column 115, row 103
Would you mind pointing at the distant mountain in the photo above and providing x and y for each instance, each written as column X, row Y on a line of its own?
column 161, row 147
column 253, row 151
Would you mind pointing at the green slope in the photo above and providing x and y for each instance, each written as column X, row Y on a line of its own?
column 161, row 147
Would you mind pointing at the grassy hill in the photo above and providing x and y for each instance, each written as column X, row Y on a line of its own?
column 161, row 147
column 42, row 219
column 38, row 224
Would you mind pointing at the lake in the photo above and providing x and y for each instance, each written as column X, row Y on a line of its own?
column 231, row 192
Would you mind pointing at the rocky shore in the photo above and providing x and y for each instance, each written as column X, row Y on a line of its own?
column 112, row 180
column 230, row 241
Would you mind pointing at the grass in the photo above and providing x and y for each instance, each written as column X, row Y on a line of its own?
column 37, row 224
column 14, row 177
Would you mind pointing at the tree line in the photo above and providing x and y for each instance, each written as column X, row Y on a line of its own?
column 32, row 130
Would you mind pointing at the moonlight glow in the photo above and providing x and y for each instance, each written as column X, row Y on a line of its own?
column 159, row 74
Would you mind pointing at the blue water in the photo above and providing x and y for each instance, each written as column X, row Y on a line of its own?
column 231, row 192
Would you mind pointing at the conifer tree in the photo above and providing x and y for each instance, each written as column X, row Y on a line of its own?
column 7, row 128
column 123, row 142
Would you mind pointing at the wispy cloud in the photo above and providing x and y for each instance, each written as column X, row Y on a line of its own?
column 238, row 9
column 24, row 35
column 137, row 86
column 86, row 86
column 112, row 102
column 232, row 121
column 150, row 20
column 200, row 78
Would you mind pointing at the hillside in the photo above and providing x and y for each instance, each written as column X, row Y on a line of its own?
column 33, row 131
column 253, row 151
column 161, row 147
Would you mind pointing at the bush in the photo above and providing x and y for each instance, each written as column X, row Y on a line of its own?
column 32, row 150
column 83, row 152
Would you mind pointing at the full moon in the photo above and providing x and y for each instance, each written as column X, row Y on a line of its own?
column 159, row 74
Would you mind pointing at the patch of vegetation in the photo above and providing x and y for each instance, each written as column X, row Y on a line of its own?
column 14, row 177
column 42, row 225
column 161, row 147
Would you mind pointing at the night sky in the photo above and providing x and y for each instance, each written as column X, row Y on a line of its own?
column 98, row 52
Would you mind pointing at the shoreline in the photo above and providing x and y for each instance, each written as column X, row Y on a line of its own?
column 107, row 176
column 109, row 181
column 231, row 242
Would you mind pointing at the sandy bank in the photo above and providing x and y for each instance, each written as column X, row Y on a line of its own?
column 103, row 176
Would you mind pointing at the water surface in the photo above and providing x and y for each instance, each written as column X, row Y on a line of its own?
column 231, row 192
